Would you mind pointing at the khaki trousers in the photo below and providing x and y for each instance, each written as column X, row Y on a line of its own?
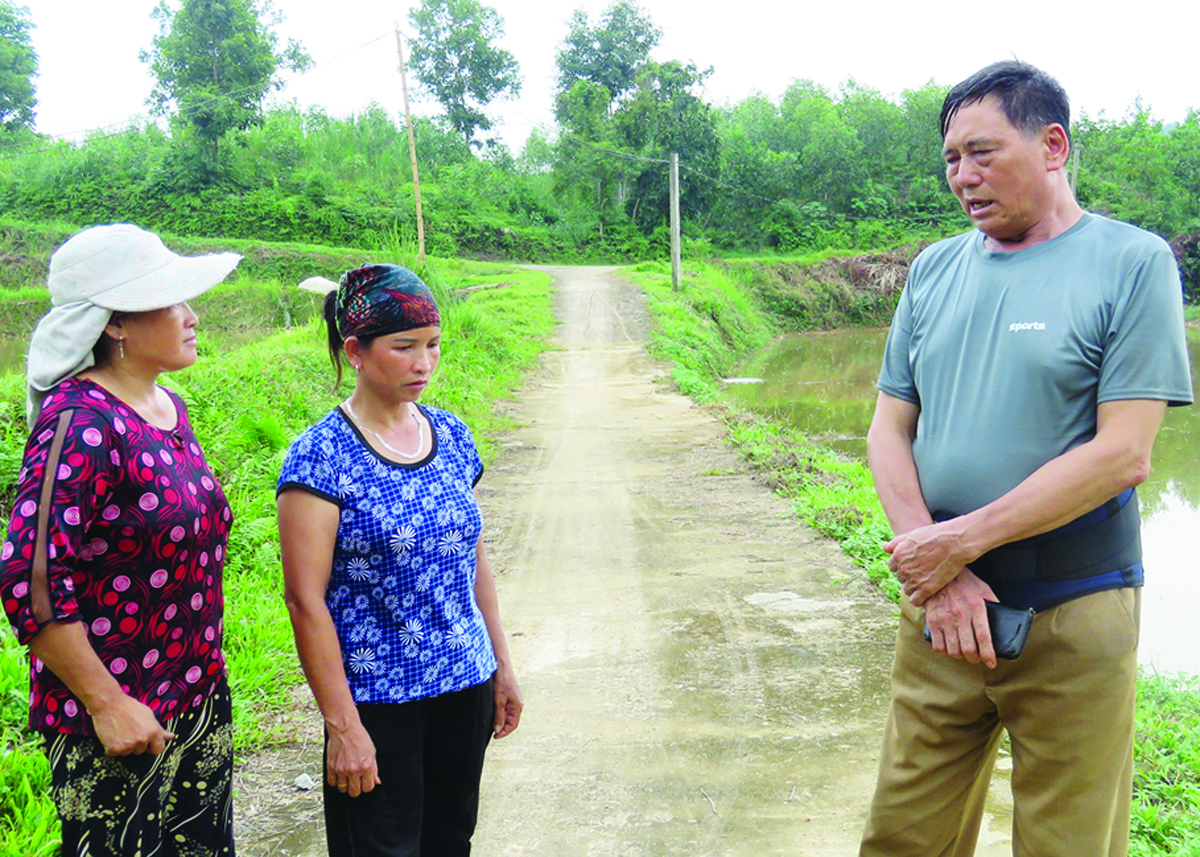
column 1068, row 706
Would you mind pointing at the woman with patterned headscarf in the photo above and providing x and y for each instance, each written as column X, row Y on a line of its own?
column 391, row 596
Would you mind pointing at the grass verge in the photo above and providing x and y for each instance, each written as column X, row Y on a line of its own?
column 246, row 406
column 1166, row 776
column 716, row 320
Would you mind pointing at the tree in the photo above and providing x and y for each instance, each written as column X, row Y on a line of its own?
column 922, row 136
column 757, row 170
column 215, row 61
column 802, row 105
column 454, row 56
column 610, row 53
column 663, row 117
column 878, row 125
column 831, row 163
column 592, row 168
column 538, row 154
column 597, row 66
column 18, row 67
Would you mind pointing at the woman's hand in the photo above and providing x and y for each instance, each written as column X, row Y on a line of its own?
column 351, row 767
column 127, row 727
column 504, row 681
column 122, row 724
column 509, row 704
column 308, row 527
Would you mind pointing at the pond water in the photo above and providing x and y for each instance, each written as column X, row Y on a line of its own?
column 12, row 353
column 824, row 384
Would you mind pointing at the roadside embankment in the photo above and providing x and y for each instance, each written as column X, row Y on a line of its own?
column 720, row 316
column 260, row 294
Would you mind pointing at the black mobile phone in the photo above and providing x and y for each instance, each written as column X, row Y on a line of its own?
column 1009, row 627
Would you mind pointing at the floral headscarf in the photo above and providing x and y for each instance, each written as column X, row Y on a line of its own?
column 376, row 300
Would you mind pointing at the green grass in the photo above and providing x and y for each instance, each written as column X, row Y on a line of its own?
column 246, row 405
column 28, row 822
column 1166, row 811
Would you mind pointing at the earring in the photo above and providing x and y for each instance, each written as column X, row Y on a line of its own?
column 357, row 367
column 121, row 347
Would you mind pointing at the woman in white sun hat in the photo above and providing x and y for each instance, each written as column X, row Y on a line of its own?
column 111, row 569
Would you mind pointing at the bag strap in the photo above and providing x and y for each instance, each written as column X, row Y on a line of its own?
column 39, row 584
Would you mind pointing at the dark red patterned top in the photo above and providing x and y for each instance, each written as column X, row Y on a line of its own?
column 137, row 534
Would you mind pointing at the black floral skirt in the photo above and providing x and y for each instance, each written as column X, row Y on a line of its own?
column 175, row 804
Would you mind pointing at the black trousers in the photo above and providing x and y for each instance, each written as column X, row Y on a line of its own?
column 430, row 755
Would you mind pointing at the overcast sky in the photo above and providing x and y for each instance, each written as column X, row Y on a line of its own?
column 1105, row 58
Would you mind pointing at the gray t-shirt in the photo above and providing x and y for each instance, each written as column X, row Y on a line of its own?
column 1008, row 353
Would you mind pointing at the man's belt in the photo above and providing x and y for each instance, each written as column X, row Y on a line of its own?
column 1103, row 540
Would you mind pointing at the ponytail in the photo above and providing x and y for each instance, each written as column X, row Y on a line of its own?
column 336, row 344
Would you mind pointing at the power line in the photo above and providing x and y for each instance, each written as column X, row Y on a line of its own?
column 912, row 218
column 630, row 156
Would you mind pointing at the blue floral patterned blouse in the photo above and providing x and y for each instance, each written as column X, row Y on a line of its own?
column 401, row 592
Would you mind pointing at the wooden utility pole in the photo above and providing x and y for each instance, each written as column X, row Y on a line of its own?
column 676, row 266
column 412, row 150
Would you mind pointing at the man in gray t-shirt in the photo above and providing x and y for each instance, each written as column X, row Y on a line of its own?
column 1028, row 368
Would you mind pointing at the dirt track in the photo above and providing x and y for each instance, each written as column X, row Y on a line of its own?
column 702, row 675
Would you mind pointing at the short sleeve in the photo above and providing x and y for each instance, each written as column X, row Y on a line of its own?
column 1146, row 354
column 83, row 480
column 471, row 454
column 309, row 467
column 465, row 450
column 896, row 377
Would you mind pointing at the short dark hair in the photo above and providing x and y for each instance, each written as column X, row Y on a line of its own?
column 1029, row 98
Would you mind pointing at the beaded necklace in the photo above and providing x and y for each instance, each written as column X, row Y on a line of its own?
column 420, row 433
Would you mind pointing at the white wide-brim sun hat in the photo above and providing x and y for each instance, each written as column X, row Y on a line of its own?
column 123, row 268
column 102, row 270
